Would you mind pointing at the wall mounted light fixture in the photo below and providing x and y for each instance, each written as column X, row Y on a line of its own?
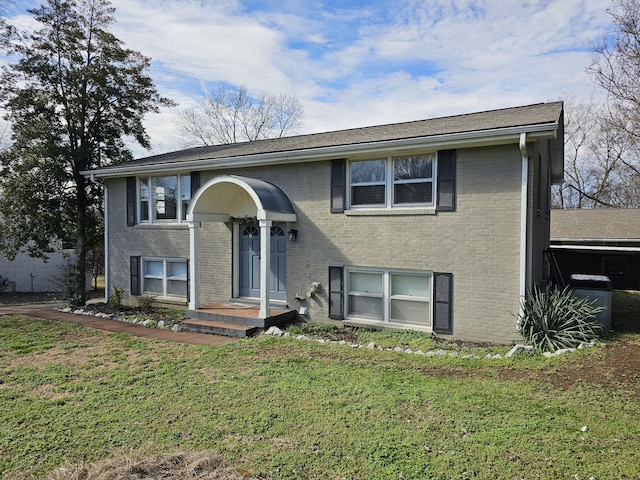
column 293, row 235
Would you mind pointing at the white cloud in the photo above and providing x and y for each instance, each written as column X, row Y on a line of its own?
column 360, row 63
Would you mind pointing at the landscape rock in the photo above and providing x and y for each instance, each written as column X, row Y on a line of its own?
column 371, row 346
column 518, row 349
column 275, row 331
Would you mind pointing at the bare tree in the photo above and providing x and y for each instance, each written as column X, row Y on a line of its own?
column 616, row 65
column 600, row 161
column 231, row 115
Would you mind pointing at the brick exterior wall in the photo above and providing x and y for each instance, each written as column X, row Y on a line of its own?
column 478, row 243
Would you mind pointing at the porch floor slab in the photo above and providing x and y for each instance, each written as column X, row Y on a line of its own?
column 237, row 309
column 234, row 318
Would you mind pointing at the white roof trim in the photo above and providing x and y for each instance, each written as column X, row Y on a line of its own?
column 465, row 139
column 596, row 247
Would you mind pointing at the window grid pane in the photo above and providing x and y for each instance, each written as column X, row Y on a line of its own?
column 370, row 172
column 411, row 312
column 144, row 200
column 406, row 193
column 366, row 306
column 410, row 285
column 165, row 190
column 153, row 286
column 153, row 268
column 185, row 195
column 366, row 282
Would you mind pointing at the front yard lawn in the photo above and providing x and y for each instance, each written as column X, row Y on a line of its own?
column 290, row 409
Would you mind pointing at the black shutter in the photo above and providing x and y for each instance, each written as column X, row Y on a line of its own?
column 443, row 303
column 335, row 293
column 188, row 282
column 134, row 267
column 131, row 201
column 338, row 179
column 446, row 180
column 195, row 182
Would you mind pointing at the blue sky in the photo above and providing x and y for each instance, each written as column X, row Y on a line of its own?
column 357, row 63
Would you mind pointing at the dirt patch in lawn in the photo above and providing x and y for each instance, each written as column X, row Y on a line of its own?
column 177, row 466
column 614, row 366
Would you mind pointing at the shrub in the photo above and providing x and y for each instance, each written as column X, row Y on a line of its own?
column 145, row 302
column 115, row 299
column 557, row 319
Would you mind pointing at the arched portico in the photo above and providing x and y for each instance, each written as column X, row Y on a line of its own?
column 229, row 196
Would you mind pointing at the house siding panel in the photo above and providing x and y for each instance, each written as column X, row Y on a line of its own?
column 478, row 242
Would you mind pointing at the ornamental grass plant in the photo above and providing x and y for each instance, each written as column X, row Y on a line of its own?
column 556, row 319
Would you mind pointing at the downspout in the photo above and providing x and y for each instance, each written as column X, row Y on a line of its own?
column 523, row 214
column 107, row 279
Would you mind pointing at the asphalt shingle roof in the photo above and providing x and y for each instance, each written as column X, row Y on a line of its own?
column 596, row 224
column 537, row 114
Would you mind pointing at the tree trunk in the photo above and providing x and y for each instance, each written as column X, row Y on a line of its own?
column 79, row 275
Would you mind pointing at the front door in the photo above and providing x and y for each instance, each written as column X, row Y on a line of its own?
column 249, row 277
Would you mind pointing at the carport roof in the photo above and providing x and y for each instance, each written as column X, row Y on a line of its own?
column 595, row 225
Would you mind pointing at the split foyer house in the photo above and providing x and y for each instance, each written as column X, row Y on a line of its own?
column 438, row 225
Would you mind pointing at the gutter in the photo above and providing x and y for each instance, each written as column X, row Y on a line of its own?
column 464, row 139
column 524, row 189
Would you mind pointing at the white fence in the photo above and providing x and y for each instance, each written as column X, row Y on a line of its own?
column 34, row 274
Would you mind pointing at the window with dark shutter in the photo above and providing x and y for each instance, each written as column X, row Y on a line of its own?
column 134, row 267
column 443, row 303
column 336, row 310
column 131, row 201
column 446, row 180
column 338, row 179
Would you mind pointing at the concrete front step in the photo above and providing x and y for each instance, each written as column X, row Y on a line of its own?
column 216, row 327
column 246, row 317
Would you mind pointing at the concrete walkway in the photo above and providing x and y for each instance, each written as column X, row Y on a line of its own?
column 49, row 312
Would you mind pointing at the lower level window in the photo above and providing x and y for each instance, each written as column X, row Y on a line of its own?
column 164, row 277
column 390, row 296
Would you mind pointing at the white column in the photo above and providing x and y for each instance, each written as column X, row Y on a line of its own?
column 265, row 267
column 194, row 265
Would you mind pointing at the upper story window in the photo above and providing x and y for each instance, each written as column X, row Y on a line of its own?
column 392, row 182
column 164, row 199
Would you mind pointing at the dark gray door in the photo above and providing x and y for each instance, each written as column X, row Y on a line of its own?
column 250, row 261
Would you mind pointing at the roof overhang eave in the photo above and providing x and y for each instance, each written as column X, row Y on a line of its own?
column 464, row 139
column 595, row 248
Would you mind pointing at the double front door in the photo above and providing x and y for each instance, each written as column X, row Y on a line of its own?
column 249, row 278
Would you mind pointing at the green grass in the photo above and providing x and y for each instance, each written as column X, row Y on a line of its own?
column 288, row 409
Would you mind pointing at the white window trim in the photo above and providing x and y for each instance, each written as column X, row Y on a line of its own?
column 387, row 297
column 390, row 183
column 164, row 277
column 151, row 204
